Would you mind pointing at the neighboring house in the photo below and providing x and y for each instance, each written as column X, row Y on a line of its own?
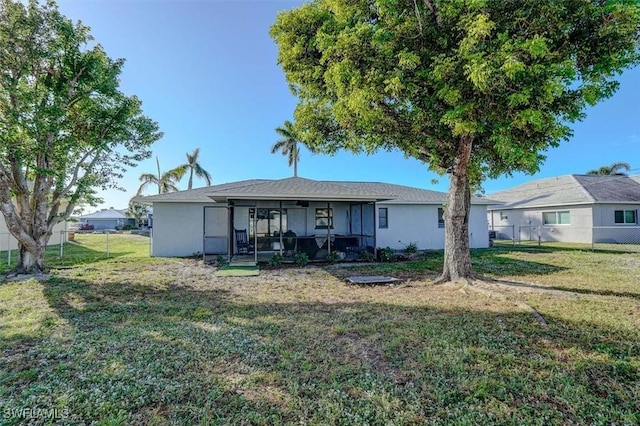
column 571, row 208
column 353, row 216
column 107, row 219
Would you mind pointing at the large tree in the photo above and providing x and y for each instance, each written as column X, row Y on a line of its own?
column 193, row 166
column 65, row 128
column 474, row 88
column 612, row 169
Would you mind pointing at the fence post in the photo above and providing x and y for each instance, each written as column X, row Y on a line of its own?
column 61, row 243
column 107, row 243
column 513, row 234
column 9, row 251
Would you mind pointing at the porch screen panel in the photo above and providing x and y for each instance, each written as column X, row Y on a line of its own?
column 368, row 224
column 216, row 230
column 356, row 223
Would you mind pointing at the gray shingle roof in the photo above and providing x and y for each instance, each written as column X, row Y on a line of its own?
column 299, row 188
column 307, row 189
column 197, row 195
column 104, row 214
column 571, row 190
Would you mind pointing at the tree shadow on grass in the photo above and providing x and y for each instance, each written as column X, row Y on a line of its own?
column 563, row 289
column 187, row 355
column 431, row 263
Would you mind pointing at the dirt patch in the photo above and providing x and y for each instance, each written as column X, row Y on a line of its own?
column 358, row 348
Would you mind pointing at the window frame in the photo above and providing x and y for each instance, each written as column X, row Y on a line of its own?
column 382, row 225
column 557, row 214
column 441, row 217
column 320, row 217
column 624, row 217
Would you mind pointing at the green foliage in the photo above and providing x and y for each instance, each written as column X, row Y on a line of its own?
column 475, row 89
column 137, row 211
column 333, row 257
column 194, row 167
column 165, row 182
column 221, row 260
column 511, row 75
column 67, row 130
column 366, row 256
column 288, row 145
column 411, row 248
column 301, row 259
column 386, row 254
column 617, row 168
column 276, row 259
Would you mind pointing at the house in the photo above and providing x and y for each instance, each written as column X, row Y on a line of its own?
column 571, row 208
column 107, row 219
column 314, row 217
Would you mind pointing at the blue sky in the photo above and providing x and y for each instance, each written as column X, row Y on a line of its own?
column 206, row 71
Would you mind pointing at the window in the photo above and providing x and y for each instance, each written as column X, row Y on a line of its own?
column 556, row 218
column 269, row 221
column 324, row 218
column 626, row 217
column 383, row 217
column 440, row 217
column 503, row 216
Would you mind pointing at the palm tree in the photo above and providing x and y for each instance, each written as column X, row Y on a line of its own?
column 611, row 169
column 194, row 167
column 288, row 145
column 166, row 181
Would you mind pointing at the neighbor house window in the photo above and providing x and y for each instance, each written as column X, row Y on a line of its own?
column 383, row 217
column 440, row 217
column 556, row 218
column 324, row 218
column 626, row 217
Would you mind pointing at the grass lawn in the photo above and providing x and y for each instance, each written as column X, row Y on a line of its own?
column 134, row 340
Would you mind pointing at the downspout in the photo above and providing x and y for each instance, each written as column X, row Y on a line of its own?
column 255, row 234
column 375, row 235
column 281, row 242
column 329, row 221
column 230, row 232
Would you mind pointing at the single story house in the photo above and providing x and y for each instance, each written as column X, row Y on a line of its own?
column 107, row 219
column 302, row 215
column 570, row 208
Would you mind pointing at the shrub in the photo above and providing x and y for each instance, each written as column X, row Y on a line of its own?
column 386, row 254
column 301, row 259
column 411, row 248
column 333, row 257
column 366, row 256
column 276, row 259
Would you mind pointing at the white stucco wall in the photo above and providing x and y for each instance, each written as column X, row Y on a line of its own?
column 604, row 214
column 418, row 223
column 178, row 228
column 8, row 241
column 527, row 224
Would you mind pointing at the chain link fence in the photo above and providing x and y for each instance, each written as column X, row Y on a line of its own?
column 614, row 238
column 68, row 246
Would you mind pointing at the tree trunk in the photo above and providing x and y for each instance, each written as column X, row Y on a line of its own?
column 32, row 261
column 457, row 257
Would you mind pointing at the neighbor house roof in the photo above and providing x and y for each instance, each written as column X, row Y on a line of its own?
column 296, row 188
column 571, row 190
column 104, row 214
